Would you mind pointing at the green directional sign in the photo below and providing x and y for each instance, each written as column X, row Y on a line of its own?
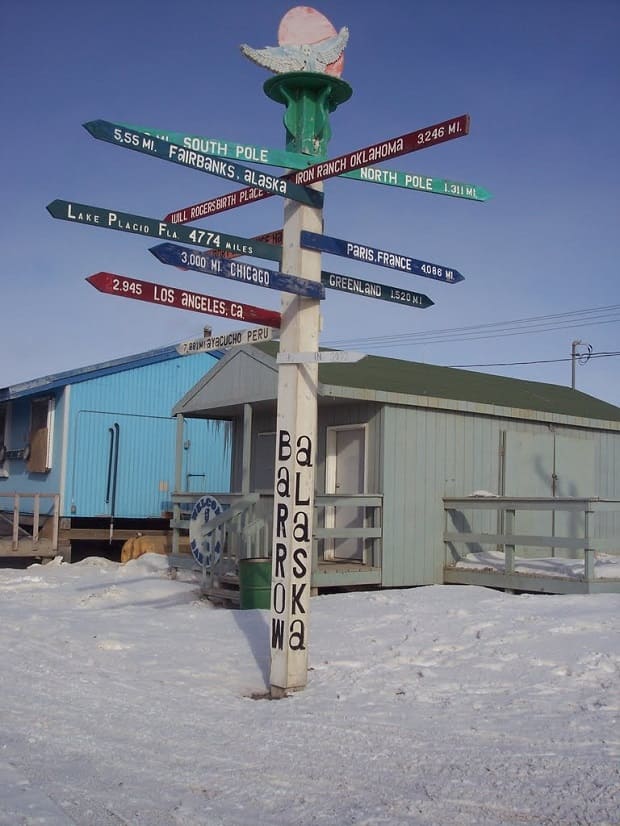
column 149, row 145
column 230, row 149
column 292, row 160
column 422, row 183
column 152, row 228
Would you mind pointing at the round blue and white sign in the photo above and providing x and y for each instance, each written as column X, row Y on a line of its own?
column 205, row 543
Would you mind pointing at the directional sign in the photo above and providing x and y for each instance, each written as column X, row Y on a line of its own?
column 236, row 270
column 322, row 357
column 383, row 258
column 150, row 227
column 411, row 142
column 370, row 289
column 253, row 335
column 131, row 139
column 421, row 183
column 112, row 284
column 229, row 149
column 293, row 160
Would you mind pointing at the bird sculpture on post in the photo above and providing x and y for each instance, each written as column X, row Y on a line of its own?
column 306, row 57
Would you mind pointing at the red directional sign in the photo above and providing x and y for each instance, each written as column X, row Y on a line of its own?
column 447, row 130
column 109, row 282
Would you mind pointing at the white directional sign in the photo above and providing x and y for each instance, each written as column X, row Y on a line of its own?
column 237, row 338
column 322, row 357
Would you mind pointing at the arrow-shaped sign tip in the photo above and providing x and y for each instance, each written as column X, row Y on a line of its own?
column 158, row 249
column 97, row 280
column 91, row 125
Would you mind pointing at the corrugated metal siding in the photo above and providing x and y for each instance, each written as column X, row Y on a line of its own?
column 608, row 479
column 429, row 454
column 140, row 401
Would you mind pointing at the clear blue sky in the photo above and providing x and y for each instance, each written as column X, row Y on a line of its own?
column 540, row 79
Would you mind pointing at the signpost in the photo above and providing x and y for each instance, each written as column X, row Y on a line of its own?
column 150, row 227
column 236, row 270
column 321, row 357
column 131, row 139
column 394, row 147
column 121, row 285
column 383, row 258
column 237, row 338
column 309, row 94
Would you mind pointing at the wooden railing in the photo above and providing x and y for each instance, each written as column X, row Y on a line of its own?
column 28, row 540
column 248, row 522
column 507, row 540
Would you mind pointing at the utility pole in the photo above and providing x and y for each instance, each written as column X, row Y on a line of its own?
column 583, row 358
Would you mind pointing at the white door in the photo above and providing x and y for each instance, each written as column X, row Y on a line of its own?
column 345, row 468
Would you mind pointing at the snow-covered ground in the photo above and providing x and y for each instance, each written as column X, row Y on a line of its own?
column 126, row 698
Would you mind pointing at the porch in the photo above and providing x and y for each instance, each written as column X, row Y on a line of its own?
column 29, row 525
column 582, row 560
column 343, row 556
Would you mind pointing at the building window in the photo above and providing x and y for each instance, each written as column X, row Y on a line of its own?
column 39, row 455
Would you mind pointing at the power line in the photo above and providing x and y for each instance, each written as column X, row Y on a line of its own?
column 537, row 361
column 520, row 326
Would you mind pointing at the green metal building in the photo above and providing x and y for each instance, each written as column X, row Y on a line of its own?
column 403, row 436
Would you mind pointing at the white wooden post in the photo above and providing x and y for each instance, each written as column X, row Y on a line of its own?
column 296, row 446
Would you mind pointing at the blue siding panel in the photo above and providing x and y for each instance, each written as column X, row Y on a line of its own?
column 138, row 403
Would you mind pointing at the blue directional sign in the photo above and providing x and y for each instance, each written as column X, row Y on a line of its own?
column 371, row 289
column 383, row 258
column 140, row 142
column 179, row 256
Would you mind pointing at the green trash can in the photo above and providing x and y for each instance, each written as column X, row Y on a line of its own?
column 255, row 582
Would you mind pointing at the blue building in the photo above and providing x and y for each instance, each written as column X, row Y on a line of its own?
column 99, row 442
